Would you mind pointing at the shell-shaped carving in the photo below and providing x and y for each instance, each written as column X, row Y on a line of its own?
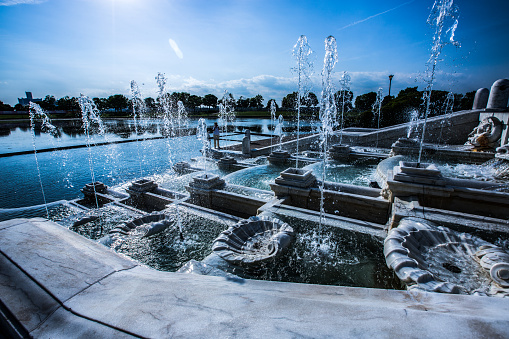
column 253, row 241
column 435, row 258
column 153, row 223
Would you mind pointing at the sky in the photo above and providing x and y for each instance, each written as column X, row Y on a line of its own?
column 96, row 47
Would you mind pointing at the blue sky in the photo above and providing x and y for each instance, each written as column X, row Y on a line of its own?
column 96, row 47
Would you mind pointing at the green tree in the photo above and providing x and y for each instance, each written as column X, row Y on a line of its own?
column 194, row 101
column 118, row 102
column 150, row 103
column 310, row 100
column 49, row 103
column 5, row 107
column 269, row 103
column 101, row 103
column 256, row 101
column 67, row 104
column 242, row 102
column 466, row 102
column 210, row 100
column 290, row 100
column 365, row 102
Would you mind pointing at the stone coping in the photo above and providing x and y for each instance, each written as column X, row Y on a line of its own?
column 59, row 284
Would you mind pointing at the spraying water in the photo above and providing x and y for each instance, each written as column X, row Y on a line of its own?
column 413, row 118
column 138, row 111
column 36, row 112
column 302, row 53
column 345, row 101
column 444, row 18
column 328, row 110
column 226, row 111
column 272, row 120
column 377, row 111
column 448, row 109
column 90, row 117
column 279, row 131
column 203, row 136
column 165, row 107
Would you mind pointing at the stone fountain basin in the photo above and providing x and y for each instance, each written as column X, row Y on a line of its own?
column 253, row 241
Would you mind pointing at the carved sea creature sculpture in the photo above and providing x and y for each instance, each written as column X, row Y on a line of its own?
column 486, row 135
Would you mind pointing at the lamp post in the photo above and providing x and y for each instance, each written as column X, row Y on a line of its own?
column 390, row 83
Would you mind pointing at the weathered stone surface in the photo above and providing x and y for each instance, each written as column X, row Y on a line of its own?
column 499, row 94
column 481, row 98
column 147, row 303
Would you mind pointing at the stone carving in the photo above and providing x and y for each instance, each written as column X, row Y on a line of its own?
column 253, row 241
column 279, row 157
column 147, row 225
column 435, row 258
column 486, row 135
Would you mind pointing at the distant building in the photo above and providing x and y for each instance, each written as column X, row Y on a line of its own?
column 28, row 99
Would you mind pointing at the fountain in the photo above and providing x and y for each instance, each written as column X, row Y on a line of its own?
column 444, row 18
column 441, row 234
column 302, row 52
column 328, row 110
column 36, row 112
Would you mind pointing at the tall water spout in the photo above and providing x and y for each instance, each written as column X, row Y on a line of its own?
column 138, row 110
column 448, row 109
column 279, row 130
column 272, row 120
column 444, row 18
column 226, row 111
column 345, row 101
column 36, row 112
column 165, row 108
column 413, row 118
column 377, row 110
column 328, row 110
column 203, row 136
column 302, row 52
column 90, row 116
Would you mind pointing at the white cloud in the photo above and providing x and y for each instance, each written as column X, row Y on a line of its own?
column 176, row 48
column 20, row 2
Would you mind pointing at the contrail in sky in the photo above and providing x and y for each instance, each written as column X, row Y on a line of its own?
column 371, row 17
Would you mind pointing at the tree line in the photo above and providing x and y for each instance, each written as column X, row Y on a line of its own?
column 357, row 113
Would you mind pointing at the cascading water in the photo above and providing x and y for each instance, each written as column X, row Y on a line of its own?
column 272, row 120
column 279, row 131
column 346, row 101
column 444, row 18
column 377, row 110
column 328, row 110
column 302, row 52
column 138, row 111
column 36, row 112
column 90, row 117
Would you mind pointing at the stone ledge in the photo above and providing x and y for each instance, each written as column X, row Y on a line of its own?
column 149, row 303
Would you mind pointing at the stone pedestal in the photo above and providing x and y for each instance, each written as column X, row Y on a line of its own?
column 202, row 187
column 278, row 157
column 90, row 190
column 295, row 183
column 139, row 187
column 182, row 167
column 226, row 162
